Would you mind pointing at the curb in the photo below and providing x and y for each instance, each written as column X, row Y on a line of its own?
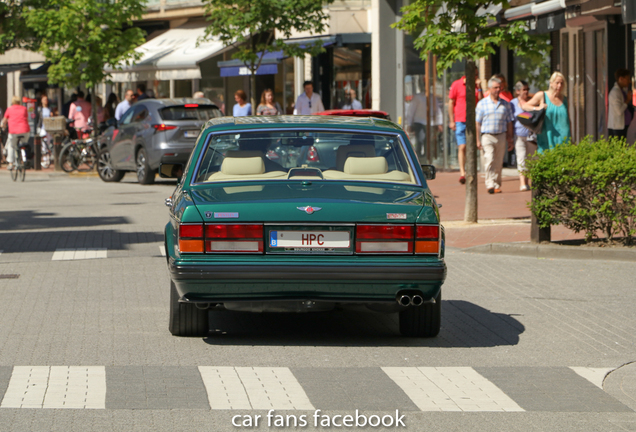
column 554, row 251
column 621, row 384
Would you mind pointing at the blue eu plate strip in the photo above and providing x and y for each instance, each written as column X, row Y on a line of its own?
column 273, row 238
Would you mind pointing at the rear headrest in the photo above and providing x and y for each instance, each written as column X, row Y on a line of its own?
column 347, row 151
column 243, row 165
column 366, row 166
column 243, row 153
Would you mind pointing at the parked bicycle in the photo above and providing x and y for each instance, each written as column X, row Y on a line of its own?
column 79, row 155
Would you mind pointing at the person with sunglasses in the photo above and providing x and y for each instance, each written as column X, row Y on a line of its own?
column 308, row 102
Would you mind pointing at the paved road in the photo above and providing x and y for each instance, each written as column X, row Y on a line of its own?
column 526, row 345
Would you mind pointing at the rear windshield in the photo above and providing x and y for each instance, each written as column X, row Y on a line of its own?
column 283, row 155
column 185, row 112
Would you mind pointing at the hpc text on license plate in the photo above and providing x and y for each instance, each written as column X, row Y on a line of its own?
column 323, row 239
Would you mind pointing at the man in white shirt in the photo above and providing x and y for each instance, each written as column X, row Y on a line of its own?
column 309, row 102
column 620, row 98
column 123, row 106
column 351, row 103
column 416, row 120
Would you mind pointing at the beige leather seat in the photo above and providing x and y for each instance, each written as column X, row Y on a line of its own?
column 353, row 150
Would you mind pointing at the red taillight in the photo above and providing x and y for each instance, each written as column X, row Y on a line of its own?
column 312, row 155
column 427, row 239
column 191, row 238
column 385, row 239
column 244, row 238
column 191, row 105
column 163, row 127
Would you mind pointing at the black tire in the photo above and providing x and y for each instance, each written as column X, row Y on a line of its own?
column 22, row 172
column 145, row 175
column 105, row 168
column 14, row 172
column 69, row 158
column 422, row 321
column 186, row 319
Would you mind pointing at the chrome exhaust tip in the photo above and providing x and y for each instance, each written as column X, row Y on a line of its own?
column 404, row 300
column 417, row 300
column 202, row 306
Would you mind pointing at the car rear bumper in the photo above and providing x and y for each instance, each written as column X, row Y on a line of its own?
column 348, row 284
column 180, row 156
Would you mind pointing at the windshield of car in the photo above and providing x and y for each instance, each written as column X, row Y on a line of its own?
column 190, row 112
column 317, row 155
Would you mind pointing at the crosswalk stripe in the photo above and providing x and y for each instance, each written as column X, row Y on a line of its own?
column 594, row 375
column 56, row 387
column 162, row 250
column 450, row 389
column 253, row 388
column 78, row 254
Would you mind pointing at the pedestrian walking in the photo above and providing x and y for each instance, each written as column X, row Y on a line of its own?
column 268, row 106
column 416, row 120
column 80, row 112
column 621, row 109
column 556, row 123
column 494, row 120
column 504, row 93
column 525, row 140
column 351, row 103
column 457, row 118
column 308, row 102
column 124, row 105
column 242, row 107
column 16, row 117
column 67, row 106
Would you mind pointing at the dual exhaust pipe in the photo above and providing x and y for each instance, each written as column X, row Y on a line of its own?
column 410, row 300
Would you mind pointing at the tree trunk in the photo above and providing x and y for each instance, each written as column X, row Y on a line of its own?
column 470, row 209
column 94, row 111
column 253, row 91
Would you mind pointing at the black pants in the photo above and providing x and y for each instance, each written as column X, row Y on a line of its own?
column 618, row 132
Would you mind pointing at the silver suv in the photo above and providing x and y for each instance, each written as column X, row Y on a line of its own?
column 151, row 132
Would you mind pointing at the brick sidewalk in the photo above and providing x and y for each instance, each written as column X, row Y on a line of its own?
column 503, row 217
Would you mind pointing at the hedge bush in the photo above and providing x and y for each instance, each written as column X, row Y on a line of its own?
column 589, row 186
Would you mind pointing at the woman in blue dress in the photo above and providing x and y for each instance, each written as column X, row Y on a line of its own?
column 556, row 125
column 242, row 107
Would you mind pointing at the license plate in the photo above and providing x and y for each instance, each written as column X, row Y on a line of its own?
column 309, row 239
column 191, row 133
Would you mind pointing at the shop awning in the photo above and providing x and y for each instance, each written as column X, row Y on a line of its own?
column 269, row 66
column 172, row 54
column 534, row 9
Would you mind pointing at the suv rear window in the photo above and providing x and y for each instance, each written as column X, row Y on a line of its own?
column 190, row 112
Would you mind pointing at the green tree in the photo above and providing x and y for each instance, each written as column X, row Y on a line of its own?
column 13, row 32
column 81, row 37
column 455, row 30
column 257, row 26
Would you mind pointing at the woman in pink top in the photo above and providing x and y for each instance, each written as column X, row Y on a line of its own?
column 16, row 116
column 80, row 111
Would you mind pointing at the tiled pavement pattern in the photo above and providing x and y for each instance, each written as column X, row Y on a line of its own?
column 465, row 389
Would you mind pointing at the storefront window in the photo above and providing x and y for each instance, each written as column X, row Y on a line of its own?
column 183, row 88
column 350, row 74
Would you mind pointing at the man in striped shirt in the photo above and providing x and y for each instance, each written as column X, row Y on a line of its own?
column 494, row 117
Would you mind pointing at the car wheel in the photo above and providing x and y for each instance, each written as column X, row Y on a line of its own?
column 186, row 319
column 105, row 167
column 422, row 321
column 145, row 175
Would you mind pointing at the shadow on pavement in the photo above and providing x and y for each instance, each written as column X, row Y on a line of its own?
column 28, row 219
column 464, row 324
column 49, row 241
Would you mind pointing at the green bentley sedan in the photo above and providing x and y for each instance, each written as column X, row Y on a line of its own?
column 301, row 214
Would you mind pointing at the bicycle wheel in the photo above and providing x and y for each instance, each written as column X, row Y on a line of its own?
column 22, row 172
column 14, row 172
column 69, row 158
column 87, row 159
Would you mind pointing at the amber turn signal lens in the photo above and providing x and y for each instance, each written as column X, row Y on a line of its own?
column 191, row 246
column 426, row 247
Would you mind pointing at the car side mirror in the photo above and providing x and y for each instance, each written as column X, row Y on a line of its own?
column 169, row 170
column 111, row 122
column 429, row 172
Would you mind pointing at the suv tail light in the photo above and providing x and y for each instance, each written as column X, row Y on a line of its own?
column 385, row 239
column 427, row 239
column 244, row 238
column 312, row 155
column 163, row 127
column 191, row 238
